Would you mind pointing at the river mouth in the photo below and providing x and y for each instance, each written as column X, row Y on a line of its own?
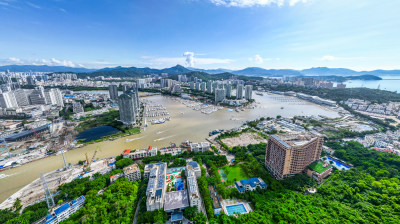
column 96, row 133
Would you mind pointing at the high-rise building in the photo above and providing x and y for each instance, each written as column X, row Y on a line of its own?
column 308, row 81
column 21, row 97
column 37, row 96
column 219, row 95
column 192, row 85
column 182, row 78
column 141, row 83
column 30, row 80
column 166, row 83
column 209, row 86
column 239, row 91
column 125, row 88
column 113, row 90
column 127, row 109
column 291, row 153
column 7, row 100
column 203, row 86
column 248, row 92
column 229, row 90
column 54, row 97
column 197, row 86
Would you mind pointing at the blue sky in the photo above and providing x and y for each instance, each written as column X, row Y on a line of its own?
column 356, row 34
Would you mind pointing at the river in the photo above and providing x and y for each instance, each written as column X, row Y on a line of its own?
column 191, row 125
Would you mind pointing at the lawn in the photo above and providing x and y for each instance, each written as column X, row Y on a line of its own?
column 318, row 166
column 234, row 173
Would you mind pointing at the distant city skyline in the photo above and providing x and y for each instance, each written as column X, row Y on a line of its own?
column 207, row 34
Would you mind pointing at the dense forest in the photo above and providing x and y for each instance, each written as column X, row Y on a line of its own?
column 368, row 193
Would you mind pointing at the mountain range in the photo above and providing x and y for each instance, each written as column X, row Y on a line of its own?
column 178, row 69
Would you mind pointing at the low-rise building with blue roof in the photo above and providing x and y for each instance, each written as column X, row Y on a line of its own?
column 64, row 211
column 250, row 184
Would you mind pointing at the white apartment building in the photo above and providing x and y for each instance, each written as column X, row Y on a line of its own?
column 156, row 187
column 200, row 147
column 193, row 190
column 7, row 100
column 248, row 95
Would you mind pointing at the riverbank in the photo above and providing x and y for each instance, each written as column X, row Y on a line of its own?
column 191, row 124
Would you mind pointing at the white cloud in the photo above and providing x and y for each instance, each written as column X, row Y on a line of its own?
column 189, row 58
column 257, row 59
column 251, row 3
column 51, row 62
column 328, row 58
column 33, row 5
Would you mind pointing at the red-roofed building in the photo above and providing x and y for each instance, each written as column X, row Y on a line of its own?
column 126, row 152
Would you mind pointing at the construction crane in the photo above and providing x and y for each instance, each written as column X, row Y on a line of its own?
column 89, row 162
column 33, row 130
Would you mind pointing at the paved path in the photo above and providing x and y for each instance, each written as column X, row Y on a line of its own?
column 137, row 211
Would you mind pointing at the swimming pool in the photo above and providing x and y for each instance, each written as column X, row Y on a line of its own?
column 338, row 164
column 236, row 209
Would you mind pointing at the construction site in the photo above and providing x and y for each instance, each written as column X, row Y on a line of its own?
column 45, row 187
column 36, row 143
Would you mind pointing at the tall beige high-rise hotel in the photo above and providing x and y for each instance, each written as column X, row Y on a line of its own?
column 290, row 153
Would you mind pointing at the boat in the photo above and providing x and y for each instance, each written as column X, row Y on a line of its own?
column 282, row 107
column 160, row 121
column 260, row 94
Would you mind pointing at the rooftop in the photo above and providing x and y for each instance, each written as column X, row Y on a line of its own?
column 131, row 169
column 194, row 164
column 295, row 138
column 176, row 200
column 319, row 166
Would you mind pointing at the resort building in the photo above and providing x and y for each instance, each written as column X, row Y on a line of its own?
column 64, row 211
column 319, row 170
column 132, row 172
column 291, row 153
column 193, row 190
column 140, row 153
column 156, row 187
column 250, row 184
column 200, row 147
column 193, row 165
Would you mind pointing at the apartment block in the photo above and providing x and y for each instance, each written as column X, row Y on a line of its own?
column 132, row 172
column 156, row 187
column 200, row 147
column 193, row 190
column 291, row 153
